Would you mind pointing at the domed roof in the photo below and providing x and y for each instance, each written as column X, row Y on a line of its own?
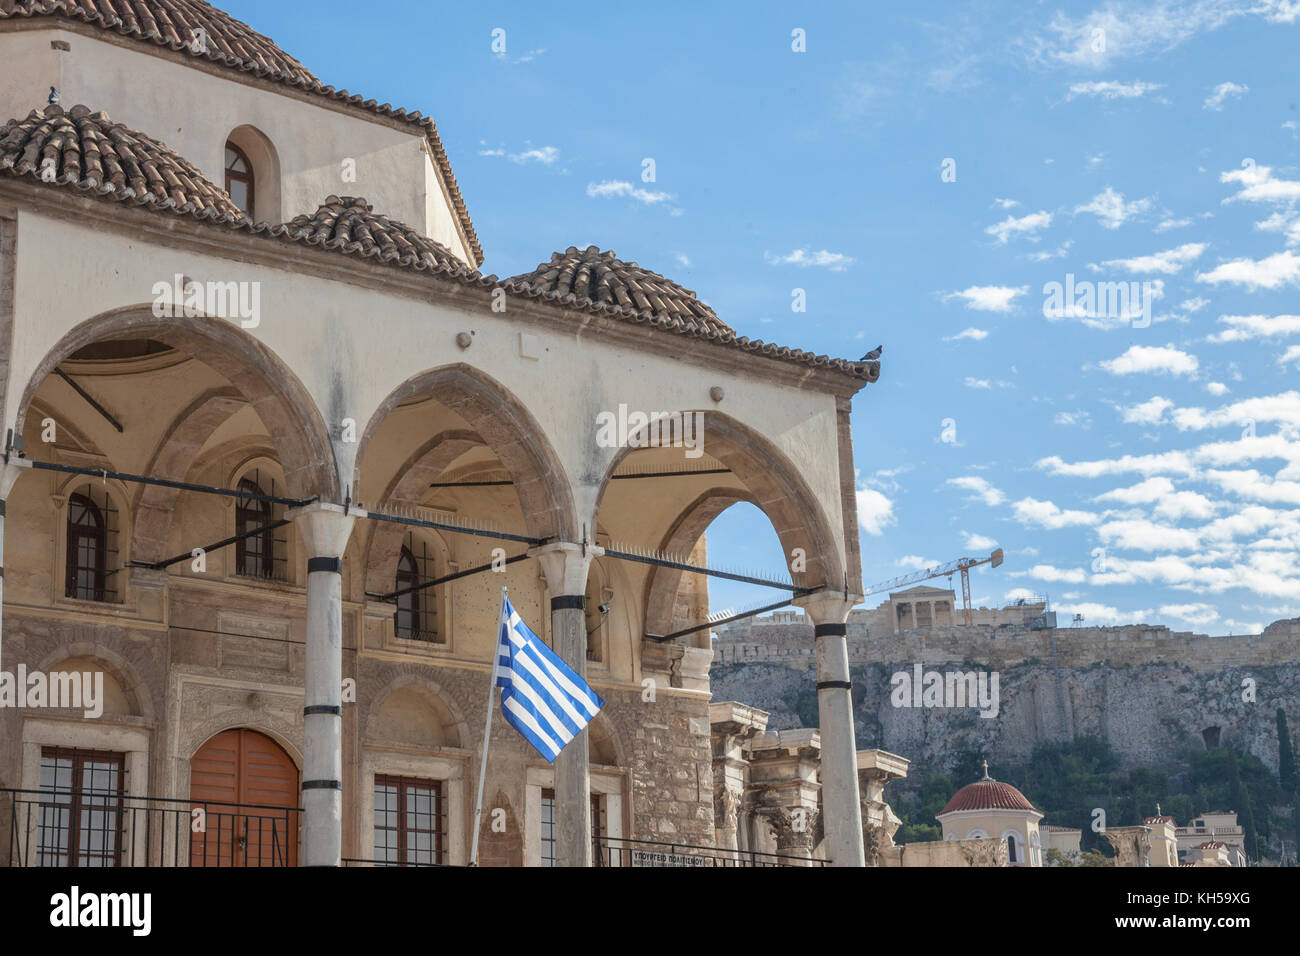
column 593, row 278
column 89, row 151
column 349, row 224
column 987, row 794
column 189, row 26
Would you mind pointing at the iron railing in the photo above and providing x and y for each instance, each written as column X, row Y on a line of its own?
column 112, row 830
column 616, row 851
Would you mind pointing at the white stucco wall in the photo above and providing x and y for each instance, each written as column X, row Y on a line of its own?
column 351, row 346
column 157, row 96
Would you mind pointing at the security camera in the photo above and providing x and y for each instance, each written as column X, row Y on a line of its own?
column 606, row 608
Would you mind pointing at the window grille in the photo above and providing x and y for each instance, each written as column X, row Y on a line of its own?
column 409, row 821
column 81, row 808
column 263, row 555
column 416, row 617
column 92, row 557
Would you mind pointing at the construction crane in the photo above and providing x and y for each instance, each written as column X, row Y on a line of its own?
column 962, row 565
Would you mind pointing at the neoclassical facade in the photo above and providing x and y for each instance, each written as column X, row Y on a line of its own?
column 274, row 449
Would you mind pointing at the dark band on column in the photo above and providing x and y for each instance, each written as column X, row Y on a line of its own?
column 830, row 630
column 322, row 785
column 835, row 685
column 569, row 601
column 318, row 709
column 2, row 507
column 333, row 565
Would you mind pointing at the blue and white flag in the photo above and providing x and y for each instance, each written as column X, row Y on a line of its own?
column 541, row 696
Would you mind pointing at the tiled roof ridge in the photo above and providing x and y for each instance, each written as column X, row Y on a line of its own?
column 221, row 211
column 987, row 795
column 298, row 77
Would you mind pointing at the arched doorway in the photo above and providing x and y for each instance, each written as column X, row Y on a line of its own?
column 247, row 787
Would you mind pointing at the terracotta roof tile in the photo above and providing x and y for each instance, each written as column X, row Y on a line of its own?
column 593, row 278
column 90, row 152
column 173, row 24
column 350, row 225
column 231, row 43
column 987, row 795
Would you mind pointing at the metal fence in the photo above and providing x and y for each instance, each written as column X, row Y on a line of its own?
column 616, row 851
column 96, row 829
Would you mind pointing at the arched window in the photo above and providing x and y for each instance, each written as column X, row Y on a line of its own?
column 416, row 617
column 239, row 178
column 91, row 527
column 1011, row 849
column 259, row 551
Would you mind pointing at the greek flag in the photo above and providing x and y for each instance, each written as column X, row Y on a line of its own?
column 541, row 696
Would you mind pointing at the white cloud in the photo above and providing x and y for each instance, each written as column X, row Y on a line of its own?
column 1221, row 92
column 1290, row 356
column 875, row 511
column 1198, row 614
column 1193, row 305
column 1141, row 31
column 1168, row 262
column 1103, row 614
column 916, row 563
column 1217, row 388
column 1243, row 327
column 978, row 542
column 1160, row 359
column 1047, row 572
column 683, row 259
column 1059, row 252
column 1271, row 272
column 611, row 189
column 1111, row 210
column 1006, row 203
column 1258, row 184
column 1171, row 223
column 972, row 333
column 988, row 298
column 1144, row 492
column 835, row 261
column 1045, row 514
column 1150, row 412
column 979, row 489
column 1028, row 225
column 546, row 155
column 1112, row 89
column 977, row 382
column 1080, row 418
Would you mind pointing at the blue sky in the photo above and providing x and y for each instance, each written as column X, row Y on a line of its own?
column 1135, row 464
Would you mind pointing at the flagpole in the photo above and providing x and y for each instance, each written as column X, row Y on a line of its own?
column 487, row 730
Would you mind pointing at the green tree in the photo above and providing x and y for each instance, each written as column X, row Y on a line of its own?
column 1285, row 755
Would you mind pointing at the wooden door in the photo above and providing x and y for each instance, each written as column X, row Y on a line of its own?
column 248, row 788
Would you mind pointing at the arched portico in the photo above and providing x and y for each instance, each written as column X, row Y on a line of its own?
column 267, row 383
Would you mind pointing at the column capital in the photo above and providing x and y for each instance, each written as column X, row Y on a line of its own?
column 565, row 565
column 826, row 607
column 325, row 527
column 10, row 472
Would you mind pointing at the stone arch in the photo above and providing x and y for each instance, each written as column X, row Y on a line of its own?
column 122, row 671
column 663, row 584
column 775, row 487
column 508, row 428
column 408, row 487
column 603, row 746
column 452, row 723
column 242, row 719
column 173, row 458
column 280, row 399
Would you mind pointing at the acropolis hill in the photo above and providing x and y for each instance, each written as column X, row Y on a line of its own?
column 1151, row 692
